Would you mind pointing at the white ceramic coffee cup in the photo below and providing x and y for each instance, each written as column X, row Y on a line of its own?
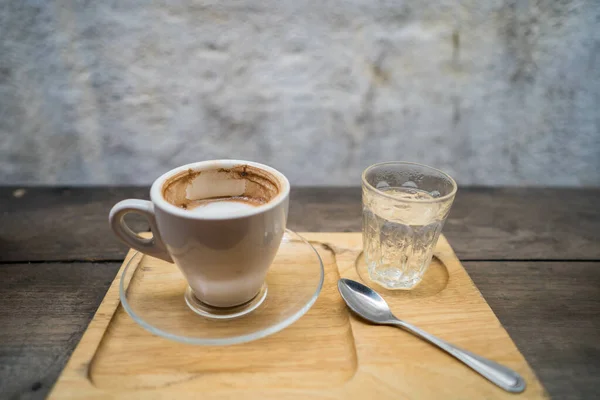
column 223, row 258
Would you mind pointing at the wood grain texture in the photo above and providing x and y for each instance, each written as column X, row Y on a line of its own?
column 316, row 351
column 49, row 224
column 44, row 310
column 61, row 224
column 561, row 343
column 552, row 311
column 117, row 359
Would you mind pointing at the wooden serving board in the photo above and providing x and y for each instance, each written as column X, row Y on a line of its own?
column 327, row 354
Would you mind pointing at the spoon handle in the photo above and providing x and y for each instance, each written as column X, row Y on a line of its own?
column 498, row 374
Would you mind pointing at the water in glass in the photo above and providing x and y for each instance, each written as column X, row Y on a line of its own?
column 399, row 235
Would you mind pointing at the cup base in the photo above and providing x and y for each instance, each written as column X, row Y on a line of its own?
column 213, row 312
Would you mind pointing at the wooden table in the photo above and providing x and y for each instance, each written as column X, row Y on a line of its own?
column 533, row 253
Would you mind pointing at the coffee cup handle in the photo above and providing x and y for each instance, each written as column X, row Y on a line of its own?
column 153, row 246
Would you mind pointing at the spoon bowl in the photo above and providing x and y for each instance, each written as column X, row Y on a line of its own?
column 365, row 302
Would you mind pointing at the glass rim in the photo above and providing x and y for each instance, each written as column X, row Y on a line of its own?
column 382, row 193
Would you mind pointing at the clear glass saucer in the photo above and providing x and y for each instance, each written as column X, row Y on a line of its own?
column 153, row 291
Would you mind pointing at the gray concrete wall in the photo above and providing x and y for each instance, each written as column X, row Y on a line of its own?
column 495, row 92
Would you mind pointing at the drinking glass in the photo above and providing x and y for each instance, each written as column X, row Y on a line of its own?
column 405, row 206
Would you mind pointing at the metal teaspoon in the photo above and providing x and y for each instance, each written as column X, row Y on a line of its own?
column 368, row 304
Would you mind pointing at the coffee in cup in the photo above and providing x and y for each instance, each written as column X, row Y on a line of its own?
column 223, row 191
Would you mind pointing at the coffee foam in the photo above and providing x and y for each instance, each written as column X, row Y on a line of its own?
column 221, row 191
column 218, row 208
